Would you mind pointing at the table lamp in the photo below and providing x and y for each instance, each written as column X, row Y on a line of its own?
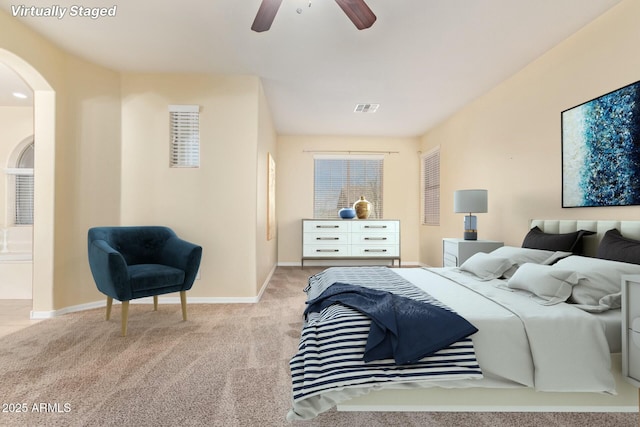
column 470, row 201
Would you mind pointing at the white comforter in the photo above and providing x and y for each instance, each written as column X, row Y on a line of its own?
column 549, row 348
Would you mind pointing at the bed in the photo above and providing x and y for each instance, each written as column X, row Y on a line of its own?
column 547, row 330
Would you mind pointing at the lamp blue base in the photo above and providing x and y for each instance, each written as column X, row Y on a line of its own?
column 470, row 227
column 471, row 235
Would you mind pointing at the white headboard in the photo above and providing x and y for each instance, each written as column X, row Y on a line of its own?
column 629, row 229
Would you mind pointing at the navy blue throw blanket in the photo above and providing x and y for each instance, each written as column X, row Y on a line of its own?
column 402, row 329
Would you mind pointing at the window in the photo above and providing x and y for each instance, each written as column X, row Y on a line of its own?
column 339, row 181
column 431, row 187
column 21, row 180
column 185, row 136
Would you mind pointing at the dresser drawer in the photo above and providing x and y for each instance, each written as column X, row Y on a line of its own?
column 326, row 250
column 326, row 226
column 326, row 238
column 450, row 247
column 633, row 297
column 374, row 237
column 375, row 250
column 449, row 260
column 374, row 226
column 633, row 354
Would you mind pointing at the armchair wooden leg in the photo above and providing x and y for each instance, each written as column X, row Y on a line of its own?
column 155, row 303
column 125, row 317
column 109, row 304
column 183, row 303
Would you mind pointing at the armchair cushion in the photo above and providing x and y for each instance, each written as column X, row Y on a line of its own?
column 147, row 279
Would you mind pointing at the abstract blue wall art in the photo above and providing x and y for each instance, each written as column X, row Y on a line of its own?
column 601, row 150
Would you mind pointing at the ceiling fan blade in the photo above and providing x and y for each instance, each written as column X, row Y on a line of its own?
column 265, row 16
column 358, row 12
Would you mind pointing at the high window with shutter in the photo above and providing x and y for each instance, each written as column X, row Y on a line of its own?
column 431, row 187
column 185, row 136
column 340, row 180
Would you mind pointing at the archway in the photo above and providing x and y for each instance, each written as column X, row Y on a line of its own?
column 44, row 188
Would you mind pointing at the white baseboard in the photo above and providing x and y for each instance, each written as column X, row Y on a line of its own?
column 48, row 314
column 266, row 283
column 37, row 315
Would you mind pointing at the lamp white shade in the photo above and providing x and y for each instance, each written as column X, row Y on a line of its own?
column 470, row 201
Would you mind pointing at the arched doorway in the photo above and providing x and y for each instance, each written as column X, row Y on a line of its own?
column 44, row 188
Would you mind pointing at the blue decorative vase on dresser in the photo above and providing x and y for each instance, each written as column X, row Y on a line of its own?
column 347, row 213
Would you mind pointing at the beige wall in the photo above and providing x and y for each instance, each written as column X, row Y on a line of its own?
column 107, row 159
column 17, row 125
column 509, row 142
column 295, row 187
column 266, row 250
column 97, row 116
column 88, row 181
column 77, row 133
column 215, row 205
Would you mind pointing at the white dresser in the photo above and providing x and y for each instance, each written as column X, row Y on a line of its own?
column 457, row 251
column 350, row 239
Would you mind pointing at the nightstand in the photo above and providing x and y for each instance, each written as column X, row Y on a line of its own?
column 457, row 251
column 631, row 329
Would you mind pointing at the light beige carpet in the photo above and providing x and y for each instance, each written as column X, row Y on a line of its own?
column 226, row 366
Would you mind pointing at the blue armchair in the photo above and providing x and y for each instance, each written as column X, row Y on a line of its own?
column 137, row 262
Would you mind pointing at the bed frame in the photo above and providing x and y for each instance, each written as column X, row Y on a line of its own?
column 516, row 399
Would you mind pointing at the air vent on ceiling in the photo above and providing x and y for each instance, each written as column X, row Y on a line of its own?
column 366, row 108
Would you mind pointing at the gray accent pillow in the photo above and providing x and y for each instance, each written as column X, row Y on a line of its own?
column 615, row 247
column 569, row 242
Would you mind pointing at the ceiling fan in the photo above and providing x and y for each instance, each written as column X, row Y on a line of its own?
column 356, row 10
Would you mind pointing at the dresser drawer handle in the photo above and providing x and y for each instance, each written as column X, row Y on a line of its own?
column 327, row 226
column 375, row 226
column 327, row 250
column 375, row 238
column 327, row 238
column 375, row 250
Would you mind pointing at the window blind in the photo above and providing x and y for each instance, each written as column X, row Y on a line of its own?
column 24, row 200
column 431, row 188
column 21, row 206
column 185, row 136
column 339, row 181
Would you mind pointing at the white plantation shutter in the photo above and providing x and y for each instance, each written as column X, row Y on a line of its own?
column 24, row 199
column 185, row 136
column 340, row 180
column 431, row 187
column 20, row 179
column 21, row 207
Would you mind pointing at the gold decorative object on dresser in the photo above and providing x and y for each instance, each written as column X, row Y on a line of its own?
column 326, row 239
column 363, row 208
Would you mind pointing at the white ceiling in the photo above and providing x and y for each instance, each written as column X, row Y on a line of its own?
column 421, row 61
column 11, row 83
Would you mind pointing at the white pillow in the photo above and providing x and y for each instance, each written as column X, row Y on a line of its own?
column 551, row 284
column 486, row 266
column 599, row 286
column 521, row 256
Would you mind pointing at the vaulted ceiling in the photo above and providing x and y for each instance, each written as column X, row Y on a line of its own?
column 421, row 60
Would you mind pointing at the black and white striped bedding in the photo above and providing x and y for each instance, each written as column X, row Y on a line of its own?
column 330, row 354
